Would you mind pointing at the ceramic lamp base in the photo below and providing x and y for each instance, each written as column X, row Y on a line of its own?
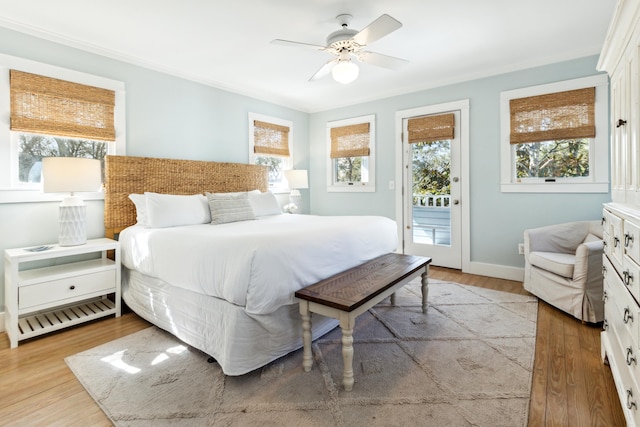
column 295, row 198
column 73, row 214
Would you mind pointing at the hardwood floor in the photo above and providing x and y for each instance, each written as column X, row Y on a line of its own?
column 571, row 385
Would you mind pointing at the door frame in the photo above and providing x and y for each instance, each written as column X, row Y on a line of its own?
column 463, row 128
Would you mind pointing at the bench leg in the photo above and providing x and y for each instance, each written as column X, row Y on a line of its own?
column 393, row 298
column 346, row 324
column 307, row 358
column 425, row 288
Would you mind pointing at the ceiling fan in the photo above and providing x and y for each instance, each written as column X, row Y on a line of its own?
column 346, row 43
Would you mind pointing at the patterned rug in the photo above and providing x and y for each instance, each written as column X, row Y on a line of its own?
column 467, row 362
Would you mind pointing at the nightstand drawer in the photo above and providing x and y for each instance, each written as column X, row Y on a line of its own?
column 69, row 289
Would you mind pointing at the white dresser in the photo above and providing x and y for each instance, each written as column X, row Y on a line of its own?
column 621, row 219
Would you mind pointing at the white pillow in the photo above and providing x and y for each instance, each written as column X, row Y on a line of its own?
column 264, row 204
column 229, row 207
column 173, row 210
column 140, row 202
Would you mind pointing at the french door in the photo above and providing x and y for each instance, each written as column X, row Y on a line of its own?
column 433, row 179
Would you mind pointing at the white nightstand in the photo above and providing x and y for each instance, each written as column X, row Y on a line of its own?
column 59, row 287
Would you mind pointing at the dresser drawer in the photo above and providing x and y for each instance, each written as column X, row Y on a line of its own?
column 615, row 242
column 621, row 310
column 631, row 242
column 631, row 276
column 56, row 292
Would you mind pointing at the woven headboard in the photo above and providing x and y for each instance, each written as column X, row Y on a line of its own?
column 125, row 175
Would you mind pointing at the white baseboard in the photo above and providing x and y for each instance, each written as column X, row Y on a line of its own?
column 495, row 270
column 2, row 322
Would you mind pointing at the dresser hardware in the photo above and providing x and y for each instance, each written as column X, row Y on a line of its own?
column 628, row 277
column 630, row 403
column 620, row 122
column 616, row 242
column 627, row 239
column 72, row 287
column 630, row 358
column 627, row 316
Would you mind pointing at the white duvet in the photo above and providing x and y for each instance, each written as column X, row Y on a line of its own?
column 257, row 264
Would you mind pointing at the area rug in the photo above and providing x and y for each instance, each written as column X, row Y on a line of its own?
column 467, row 362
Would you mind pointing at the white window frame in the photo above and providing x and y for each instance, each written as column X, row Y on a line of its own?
column 10, row 191
column 362, row 187
column 287, row 163
column 598, row 180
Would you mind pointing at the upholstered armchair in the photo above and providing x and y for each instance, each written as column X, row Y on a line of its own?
column 563, row 266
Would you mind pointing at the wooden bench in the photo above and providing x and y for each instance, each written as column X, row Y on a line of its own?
column 352, row 292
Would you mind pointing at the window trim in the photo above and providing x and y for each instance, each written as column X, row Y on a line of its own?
column 364, row 187
column 598, row 181
column 9, row 194
column 288, row 163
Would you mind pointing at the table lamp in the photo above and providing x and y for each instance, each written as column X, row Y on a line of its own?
column 296, row 179
column 71, row 175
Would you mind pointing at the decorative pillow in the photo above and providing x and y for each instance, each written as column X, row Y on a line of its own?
column 264, row 204
column 173, row 210
column 229, row 207
column 140, row 202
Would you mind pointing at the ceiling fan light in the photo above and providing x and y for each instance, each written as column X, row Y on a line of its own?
column 345, row 72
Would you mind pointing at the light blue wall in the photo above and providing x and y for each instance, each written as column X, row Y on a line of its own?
column 497, row 219
column 172, row 117
column 166, row 117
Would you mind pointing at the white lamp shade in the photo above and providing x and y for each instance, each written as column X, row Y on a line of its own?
column 345, row 72
column 70, row 175
column 297, row 178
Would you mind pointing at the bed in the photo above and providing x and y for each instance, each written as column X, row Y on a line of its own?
column 224, row 284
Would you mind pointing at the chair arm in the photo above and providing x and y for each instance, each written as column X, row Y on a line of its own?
column 588, row 260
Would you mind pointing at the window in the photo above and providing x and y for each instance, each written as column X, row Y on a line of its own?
column 554, row 138
column 51, row 111
column 351, row 154
column 269, row 145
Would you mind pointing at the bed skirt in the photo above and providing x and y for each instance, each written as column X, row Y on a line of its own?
column 239, row 342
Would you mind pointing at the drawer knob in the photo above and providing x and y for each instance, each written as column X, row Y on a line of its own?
column 616, row 242
column 628, row 277
column 628, row 238
column 630, row 403
column 627, row 316
column 72, row 287
column 621, row 122
column 630, row 358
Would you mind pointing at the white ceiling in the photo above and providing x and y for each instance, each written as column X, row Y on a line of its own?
column 226, row 44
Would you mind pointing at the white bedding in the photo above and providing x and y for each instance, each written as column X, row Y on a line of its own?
column 257, row 264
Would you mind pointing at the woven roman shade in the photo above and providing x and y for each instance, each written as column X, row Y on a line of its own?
column 50, row 106
column 350, row 141
column 431, row 128
column 270, row 139
column 554, row 116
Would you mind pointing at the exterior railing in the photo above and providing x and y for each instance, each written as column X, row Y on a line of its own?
column 432, row 200
column 432, row 219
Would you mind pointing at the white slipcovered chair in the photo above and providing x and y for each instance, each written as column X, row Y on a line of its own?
column 563, row 266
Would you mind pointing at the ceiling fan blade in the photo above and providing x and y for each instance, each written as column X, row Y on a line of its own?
column 381, row 60
column 297, row 44
column 379, row 28
column 323, row 71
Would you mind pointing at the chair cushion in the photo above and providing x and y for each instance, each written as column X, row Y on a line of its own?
column 560, row 264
